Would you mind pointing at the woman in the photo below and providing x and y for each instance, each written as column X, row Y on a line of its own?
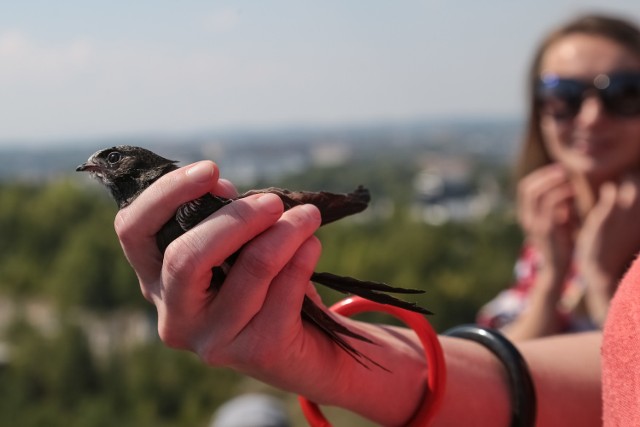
column 253, row 323
column 579, row 171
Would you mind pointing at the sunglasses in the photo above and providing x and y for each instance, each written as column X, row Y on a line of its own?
column 562, row 98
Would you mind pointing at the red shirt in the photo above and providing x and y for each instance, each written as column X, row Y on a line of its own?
column 621, row 354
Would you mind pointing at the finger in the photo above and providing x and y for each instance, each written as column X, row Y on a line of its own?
column 244, row 291
column 534, row 187
column 558, row 203
column 226, row 189
column 287, row 291
column 137, row 225
column 553, row 208
column 608, row 196
column 189, row 258
column 628, row 193
column 603, row 209
column 278, row 325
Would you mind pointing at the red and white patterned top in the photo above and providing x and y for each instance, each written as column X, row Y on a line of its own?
column 508, row 304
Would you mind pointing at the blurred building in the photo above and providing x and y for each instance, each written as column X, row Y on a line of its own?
column 446, row 189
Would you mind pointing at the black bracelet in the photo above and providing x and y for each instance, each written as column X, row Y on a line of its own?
column 523, row 395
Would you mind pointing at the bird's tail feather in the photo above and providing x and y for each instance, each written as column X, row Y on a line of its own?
column 374, row 291
column 333, row 329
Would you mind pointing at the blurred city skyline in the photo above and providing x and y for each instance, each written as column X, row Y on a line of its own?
column 77, row 70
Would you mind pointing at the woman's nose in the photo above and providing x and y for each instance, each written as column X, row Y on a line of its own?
column 591, row 111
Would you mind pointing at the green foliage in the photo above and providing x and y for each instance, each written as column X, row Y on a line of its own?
column 58, row 241
column 57, row 381
column 56, row 374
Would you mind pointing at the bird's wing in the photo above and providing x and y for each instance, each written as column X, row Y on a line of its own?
column 332, row 206
column 193, row 212
column 187, row 216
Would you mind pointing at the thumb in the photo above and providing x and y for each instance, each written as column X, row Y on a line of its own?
column 608, row 195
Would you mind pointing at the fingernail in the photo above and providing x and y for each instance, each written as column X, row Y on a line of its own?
column 271, row 203
column 312, row 210
column 200, row 172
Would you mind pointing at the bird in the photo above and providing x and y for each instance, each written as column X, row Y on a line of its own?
column 126, row 171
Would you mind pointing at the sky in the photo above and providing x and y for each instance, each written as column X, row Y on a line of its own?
column 80, row 70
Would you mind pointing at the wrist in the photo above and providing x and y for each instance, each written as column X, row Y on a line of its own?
column 599, row 291
column 522, row 390
column 402, row 386
column 549, row 283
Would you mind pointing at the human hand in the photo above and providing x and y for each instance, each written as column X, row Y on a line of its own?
column 253, row 323
column 259, row 305
column 548, row 218
column 608, row 241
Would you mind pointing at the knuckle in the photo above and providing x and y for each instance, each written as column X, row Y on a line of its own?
column 259, row 260
column 123, row 226
column 180, row 261
column 239, row 212
column 169, row 336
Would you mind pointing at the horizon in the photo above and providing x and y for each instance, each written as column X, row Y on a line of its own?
column 262, row 132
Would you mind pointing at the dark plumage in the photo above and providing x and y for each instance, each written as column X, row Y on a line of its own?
column 127, row 171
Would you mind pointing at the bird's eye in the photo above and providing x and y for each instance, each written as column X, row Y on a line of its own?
column 114, row 157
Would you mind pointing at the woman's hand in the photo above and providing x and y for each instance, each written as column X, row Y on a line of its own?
column 608, row 242
column 547, row 216
column 548, row 219
column 259, row 304
column 253, row 323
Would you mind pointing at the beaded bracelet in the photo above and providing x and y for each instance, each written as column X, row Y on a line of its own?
column 523, row 395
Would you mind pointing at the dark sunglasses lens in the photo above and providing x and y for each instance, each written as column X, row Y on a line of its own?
column 622, row 97
column 560, row 98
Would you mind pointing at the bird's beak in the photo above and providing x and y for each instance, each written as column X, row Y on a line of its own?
column 88, row 166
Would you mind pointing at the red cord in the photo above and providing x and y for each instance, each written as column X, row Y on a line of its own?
column 436, row 376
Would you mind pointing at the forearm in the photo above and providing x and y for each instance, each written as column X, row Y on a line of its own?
column 565, row 371
column 567, row 376
column 540, row 318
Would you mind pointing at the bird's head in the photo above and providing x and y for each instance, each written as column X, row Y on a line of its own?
column 126, row 170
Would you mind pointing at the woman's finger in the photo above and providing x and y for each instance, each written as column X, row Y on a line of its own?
column 190, row 258
column 246, row 286
column 284, row 301
column 533, row 189
column 137, row 224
